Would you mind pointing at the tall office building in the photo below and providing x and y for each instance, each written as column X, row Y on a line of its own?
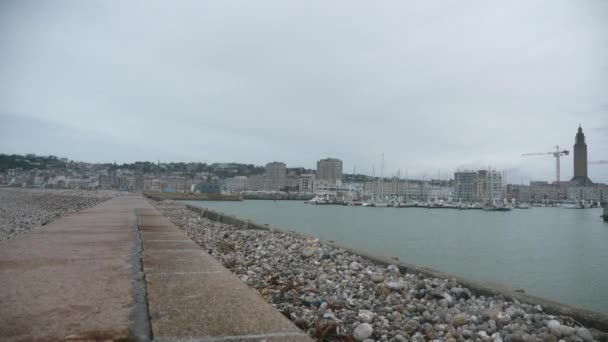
column 480, row 186
column 493, row 185
column 329, row 170
column 580, row 160
column 275, row 177
column 465, row 185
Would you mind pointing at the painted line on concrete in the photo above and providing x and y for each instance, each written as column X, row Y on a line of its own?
column 236, row 337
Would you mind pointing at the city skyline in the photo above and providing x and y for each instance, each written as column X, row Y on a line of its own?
column 328, row 170
column 432, row 86
column 278, row 180
column 567, row 167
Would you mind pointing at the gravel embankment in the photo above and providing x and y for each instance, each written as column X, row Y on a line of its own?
column 23, row 210
column 335, row 295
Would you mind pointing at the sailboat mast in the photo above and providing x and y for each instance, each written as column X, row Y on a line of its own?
column 375, row 187
column 491, row 185
column 382, row 177
column 406, row 185
column 398, row 183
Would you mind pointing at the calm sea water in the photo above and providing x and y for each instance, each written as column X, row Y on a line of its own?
column 560, row 254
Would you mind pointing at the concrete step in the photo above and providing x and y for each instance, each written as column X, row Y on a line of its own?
column 191, row 296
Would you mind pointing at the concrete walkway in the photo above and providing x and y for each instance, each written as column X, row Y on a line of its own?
column 191, row 296
column 79, row 278
column 71, row 278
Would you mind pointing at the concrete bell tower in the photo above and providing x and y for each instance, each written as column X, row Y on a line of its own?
column 580, row 160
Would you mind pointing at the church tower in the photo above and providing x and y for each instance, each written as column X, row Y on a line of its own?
column 580, row 160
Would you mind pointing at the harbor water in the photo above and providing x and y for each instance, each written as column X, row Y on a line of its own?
column 555, row 253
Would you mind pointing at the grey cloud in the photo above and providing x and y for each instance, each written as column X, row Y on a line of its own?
column 432, row 85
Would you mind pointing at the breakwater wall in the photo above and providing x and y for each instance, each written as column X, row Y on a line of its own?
column 586, row 317
column 178, row 196
column 278, row 196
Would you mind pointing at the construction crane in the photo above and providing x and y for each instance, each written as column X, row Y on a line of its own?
column 557, row 154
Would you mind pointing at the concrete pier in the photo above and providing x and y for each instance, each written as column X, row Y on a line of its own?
column 71, row 279
column 191, row 295
column 81, row 277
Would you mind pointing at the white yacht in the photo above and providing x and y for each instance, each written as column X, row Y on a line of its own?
column 571, row 204
column 412, row 204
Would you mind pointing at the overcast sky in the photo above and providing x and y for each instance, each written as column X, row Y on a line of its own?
column 434, row 85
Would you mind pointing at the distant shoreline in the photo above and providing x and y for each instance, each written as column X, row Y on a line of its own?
column 176, row 196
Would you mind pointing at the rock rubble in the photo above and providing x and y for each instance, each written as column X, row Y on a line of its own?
column 23, row 210
column 335, row 295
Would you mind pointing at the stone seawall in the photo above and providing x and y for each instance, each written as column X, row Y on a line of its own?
column 293, row 196
column 586, row 317
column 178, row 196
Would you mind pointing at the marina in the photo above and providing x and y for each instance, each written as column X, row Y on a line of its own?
column 446, row 204
column 550, row 252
